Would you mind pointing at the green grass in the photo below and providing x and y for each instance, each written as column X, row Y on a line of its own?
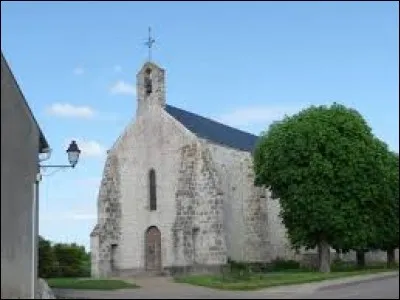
column 264, row 280
column 89, row 284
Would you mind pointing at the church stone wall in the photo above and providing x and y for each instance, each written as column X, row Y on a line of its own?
column 280, row 246
column 152, row 142
column 253, row 228
column 199, row 242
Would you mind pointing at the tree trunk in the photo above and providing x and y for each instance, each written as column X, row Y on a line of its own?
column 324, row 253
column 390, row 258
column 360, row 258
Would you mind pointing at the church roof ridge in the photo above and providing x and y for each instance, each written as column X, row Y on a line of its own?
column 213, row 130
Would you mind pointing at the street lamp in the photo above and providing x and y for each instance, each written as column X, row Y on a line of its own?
column 73, row 157
column 73, row 154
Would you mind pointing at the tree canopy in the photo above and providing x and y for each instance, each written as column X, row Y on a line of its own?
column 318, row 163
column 385, row 217
column 62, row 260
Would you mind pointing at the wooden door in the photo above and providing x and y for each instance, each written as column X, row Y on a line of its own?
column 153, row 249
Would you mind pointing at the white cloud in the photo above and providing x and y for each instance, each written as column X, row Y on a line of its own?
column 117, row 68
column 89, row 148
column 123, row 88
column 79, row 71
column 71, row 111
column 67, row 110
column 252, row 115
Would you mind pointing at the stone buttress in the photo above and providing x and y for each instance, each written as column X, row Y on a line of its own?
column 108, row 230
column 199, row 241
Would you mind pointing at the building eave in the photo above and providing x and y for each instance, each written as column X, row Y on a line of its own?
column 43, row 144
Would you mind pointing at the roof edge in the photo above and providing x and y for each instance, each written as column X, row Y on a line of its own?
column 215, row 121
column 43, row 144
column 214, row 131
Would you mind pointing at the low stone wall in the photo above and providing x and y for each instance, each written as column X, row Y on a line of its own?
column 371, row 257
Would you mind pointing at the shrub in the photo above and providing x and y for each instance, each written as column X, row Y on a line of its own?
column 280, row 264
column 243, row 271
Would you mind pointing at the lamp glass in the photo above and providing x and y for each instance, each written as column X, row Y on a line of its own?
column 73, row 157
column 73, row 153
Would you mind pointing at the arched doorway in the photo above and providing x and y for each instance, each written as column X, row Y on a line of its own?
column 153, row 249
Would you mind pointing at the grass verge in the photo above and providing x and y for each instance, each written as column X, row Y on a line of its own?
column 89, row 284
column 264, row 280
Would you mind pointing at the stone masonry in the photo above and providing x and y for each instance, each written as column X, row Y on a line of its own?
column 108, row 229
column 246, row 237
column 198, row 229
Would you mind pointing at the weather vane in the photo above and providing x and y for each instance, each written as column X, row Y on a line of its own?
column 150, row 43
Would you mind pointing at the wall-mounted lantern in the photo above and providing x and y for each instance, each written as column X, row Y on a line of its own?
column 73, row 156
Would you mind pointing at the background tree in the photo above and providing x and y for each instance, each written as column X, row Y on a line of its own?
column 72, row 260
column 315, row 163
column 386, row 216
column 62, row 260
column 46, row 258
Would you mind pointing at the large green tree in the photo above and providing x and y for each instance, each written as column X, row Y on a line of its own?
column 379, row 208
column 369, row 209
column 386, row 216
column 316, row 162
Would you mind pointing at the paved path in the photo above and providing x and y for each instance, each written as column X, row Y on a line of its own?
column 375, row 286
column 386, row 288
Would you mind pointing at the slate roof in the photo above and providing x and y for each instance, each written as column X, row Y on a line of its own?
column 213, row 131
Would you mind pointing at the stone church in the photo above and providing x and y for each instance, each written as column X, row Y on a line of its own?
column 178, row 194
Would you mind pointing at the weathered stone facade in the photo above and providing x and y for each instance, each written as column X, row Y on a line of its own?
column 207, row 207
column 246, row 237
column 107, row 232
column 198, row 228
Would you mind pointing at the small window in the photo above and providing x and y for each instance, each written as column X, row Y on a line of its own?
column 148, row 82
column 152, row 190
column 113, row 256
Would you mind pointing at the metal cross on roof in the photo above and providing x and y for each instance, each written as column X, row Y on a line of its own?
column 150, row 43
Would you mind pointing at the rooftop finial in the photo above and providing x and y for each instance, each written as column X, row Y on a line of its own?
column 150, row 43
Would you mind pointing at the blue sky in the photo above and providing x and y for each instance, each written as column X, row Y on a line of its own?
column 243, row 63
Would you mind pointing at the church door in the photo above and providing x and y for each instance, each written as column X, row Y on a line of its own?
column 153, row 249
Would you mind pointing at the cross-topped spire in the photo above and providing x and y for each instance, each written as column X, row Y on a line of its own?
column 149, row 43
